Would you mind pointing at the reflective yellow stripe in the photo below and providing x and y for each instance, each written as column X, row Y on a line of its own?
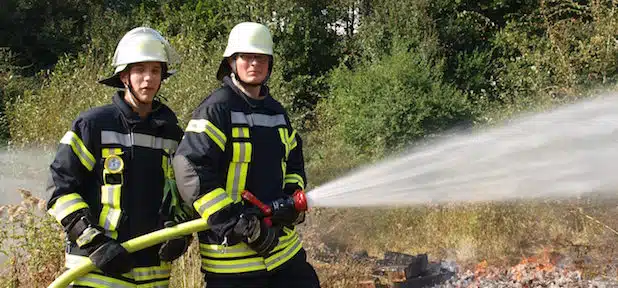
column 166, row 165
column 242, row 152
column 237, row 171
column 292, row 140
column 106, row 152
column 283, row 134
column 236, row 179
column 288, row 246
column 212, row 202
column 66, row 205
column 240, row 132
column 295, row 179
column 233, row 266
column 80, row 150
column 205, row 126
column 110, row 213
column 220, row 251
column 283, row 170
column 100, row 281
column 151, row 273
column 279, row 258
column 241, row 249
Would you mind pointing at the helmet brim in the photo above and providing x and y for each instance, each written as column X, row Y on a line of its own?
column 224, row 69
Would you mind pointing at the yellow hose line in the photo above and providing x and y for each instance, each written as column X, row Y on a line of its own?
column 133, row 245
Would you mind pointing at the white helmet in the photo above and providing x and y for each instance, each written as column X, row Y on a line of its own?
column 246, row 37
column 142, row 44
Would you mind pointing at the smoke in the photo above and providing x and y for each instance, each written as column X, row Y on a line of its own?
column 23, row 169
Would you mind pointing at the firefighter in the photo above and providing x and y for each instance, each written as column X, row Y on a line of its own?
column 112, row 179
column 240, row 138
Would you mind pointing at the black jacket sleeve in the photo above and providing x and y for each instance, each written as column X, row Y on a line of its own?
column 295, row 177
column 197, row 166
column 73, row 162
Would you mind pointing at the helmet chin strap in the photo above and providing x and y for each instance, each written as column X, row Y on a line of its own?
column 135, row 102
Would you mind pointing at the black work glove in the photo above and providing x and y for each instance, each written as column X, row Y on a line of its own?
column 284, row 213
column 287, row 217
column 258, row 236
column 110, row 257
column 174, row 248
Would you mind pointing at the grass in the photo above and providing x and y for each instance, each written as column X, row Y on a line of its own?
column 582, row 230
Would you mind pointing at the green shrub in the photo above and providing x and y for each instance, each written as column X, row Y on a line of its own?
column 382, row 106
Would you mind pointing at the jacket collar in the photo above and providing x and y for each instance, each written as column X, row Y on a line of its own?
column 132, row 117
column 227, row 80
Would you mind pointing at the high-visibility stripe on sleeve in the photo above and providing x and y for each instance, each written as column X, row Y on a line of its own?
column 80, row 150
column 66, row 205
column 295, row 179
column 212, row 202
column 205, row 126
column 283, row 134
column 292, row 140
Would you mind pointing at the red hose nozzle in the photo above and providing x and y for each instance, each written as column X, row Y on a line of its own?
column 300, row 201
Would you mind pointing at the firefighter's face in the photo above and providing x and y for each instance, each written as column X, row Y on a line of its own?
column 145, row 79
column 252, row 68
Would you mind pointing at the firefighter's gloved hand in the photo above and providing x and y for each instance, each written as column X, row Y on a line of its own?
column 286, row 215
column 258, row 236
column 174, row 248
column 110, row 257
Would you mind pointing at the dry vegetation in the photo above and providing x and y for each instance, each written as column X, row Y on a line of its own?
column 343, row 244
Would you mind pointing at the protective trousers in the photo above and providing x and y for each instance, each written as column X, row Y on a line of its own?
column 296, row 273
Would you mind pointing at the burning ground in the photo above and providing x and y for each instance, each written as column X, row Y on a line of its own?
column 565, row 244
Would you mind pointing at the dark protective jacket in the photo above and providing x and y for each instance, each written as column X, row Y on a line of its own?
column 115, row 166
column 235, row 143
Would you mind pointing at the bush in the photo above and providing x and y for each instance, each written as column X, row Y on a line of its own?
column 33, row 242
column 382, row 106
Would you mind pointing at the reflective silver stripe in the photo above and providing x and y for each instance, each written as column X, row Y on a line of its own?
column 237, row 171
column 287, row 253
column 285, row 242
column 215, row 133
column 253, row 263
column 91, row 279
column 58, row 210
column 71, row 139
column 225, row 250
column 258, row 119
column 241, row 133
column 211, row 203
column 111, row 215
column 151, row 273
column 143, row 140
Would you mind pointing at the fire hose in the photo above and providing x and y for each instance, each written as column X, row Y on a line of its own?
column 296, row 201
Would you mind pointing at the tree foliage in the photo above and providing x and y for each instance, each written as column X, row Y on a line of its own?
column 373, row 75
